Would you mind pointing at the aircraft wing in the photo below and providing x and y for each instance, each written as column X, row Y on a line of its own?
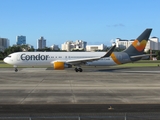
column 83, row 61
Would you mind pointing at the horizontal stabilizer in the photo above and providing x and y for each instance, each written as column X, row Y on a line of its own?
column 139, row 56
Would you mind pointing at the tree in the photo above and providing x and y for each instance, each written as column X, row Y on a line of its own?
column 156, row 52
column 10, row 50
column 31, row 50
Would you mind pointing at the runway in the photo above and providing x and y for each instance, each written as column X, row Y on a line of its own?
column 95, row 90
column 93, row 86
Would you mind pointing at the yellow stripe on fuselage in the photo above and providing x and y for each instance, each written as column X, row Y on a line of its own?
column 113, row 56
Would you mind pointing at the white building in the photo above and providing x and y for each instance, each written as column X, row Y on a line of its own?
column 153, row 43
column 21, row 40
column 123, row 44
column 41, row 43
column 95, row 47
column 54, row 47
column 4, row 43
column 67, row 46
column 27, row 47
column 70, row 45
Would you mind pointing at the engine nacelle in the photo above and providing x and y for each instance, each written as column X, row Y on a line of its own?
column 61, row 65
column 58, row 65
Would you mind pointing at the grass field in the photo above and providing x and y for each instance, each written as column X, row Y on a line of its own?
column 142, row 63
column 139, row 65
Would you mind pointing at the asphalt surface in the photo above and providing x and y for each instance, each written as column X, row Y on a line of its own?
column 92, row 94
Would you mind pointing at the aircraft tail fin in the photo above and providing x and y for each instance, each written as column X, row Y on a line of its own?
column 139, row 44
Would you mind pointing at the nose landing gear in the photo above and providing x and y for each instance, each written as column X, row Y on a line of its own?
column 16, row 69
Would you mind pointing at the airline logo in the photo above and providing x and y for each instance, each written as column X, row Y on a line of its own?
column 139, row 45
column 33, row 57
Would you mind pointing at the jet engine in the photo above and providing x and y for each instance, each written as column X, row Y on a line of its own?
column 61, row 65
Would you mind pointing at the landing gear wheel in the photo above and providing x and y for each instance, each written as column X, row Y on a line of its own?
column 76, row 69
column 80, row 70
column 16, row 70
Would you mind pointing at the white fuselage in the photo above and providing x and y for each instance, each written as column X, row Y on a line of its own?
column 46, row 58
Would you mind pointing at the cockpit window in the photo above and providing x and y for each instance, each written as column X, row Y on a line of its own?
column 9, row 56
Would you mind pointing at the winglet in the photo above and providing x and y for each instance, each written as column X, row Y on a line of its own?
column 109, row 52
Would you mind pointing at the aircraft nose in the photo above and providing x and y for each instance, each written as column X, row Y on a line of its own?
column 5, row 60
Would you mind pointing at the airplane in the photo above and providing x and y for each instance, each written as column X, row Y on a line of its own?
column 62, row 60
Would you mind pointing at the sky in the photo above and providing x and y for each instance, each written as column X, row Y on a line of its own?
column 94, row 21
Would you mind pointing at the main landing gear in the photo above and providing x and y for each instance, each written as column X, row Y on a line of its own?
column 78, row 69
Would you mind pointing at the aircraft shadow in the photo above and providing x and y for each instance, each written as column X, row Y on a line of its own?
column 112, row 69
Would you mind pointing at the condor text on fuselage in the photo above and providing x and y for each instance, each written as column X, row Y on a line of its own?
column 34, row 57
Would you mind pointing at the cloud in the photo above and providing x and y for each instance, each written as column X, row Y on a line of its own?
column 119, row 25
column 116, row 25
